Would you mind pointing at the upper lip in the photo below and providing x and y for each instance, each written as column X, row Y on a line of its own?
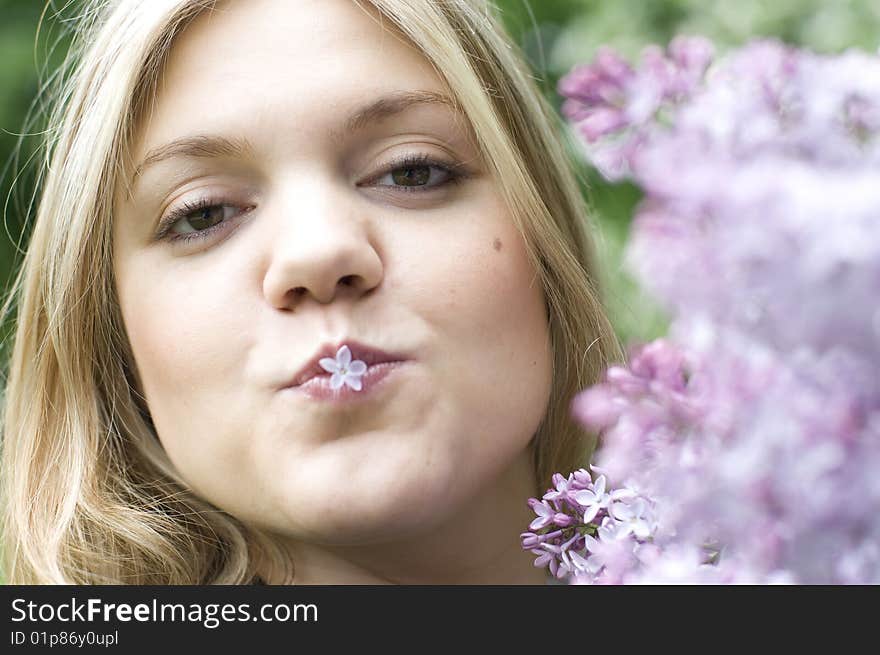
column 367, row 354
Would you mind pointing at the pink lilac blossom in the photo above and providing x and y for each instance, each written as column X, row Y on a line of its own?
column 587, row 532
column 752, row 430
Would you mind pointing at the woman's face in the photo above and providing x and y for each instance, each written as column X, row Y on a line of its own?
column 318, row 235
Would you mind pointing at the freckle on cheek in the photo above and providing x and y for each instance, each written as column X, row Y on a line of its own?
column 497, row 245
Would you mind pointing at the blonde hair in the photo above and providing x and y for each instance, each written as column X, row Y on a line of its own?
column 89, row 496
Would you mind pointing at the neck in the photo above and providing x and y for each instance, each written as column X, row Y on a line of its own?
column 478, row 545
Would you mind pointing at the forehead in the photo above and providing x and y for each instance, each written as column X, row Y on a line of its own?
column 281, row 69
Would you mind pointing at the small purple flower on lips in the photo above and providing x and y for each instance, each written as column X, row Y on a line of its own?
column 344, row 370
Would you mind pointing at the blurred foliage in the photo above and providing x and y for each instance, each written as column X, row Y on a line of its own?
column 554, row 34
column 18, row 81
column 27, row 60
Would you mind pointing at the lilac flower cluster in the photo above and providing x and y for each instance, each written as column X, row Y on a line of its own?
column 613, row 103
column 587, row 531
column 761, row 176
column 754, row 426
column 772, row 459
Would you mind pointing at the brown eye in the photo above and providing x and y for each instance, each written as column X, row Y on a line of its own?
column 201, row 218
column 206, row 217
column 412, row 175
column 419, row 173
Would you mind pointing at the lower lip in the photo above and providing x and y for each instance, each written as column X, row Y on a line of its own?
column 374, row 380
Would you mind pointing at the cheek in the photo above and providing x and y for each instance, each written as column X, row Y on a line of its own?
column 173, row 335
column 185, row 344
column 490, row 292
column 514, row 317
column 490, row 312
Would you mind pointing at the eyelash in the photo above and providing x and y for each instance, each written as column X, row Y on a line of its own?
column 455, row 174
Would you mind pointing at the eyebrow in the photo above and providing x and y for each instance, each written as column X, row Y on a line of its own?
column 208, row 146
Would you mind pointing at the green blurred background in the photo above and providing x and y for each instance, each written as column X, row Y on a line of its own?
column 554, row 34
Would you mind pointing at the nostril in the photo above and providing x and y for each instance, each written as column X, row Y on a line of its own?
column 348, row 280
column 294, row 295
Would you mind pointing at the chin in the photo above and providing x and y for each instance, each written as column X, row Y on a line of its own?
column 381, row 518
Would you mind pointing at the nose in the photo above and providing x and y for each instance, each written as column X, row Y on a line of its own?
column 321, row 249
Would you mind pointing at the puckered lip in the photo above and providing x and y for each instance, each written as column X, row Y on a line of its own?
column 367, row 354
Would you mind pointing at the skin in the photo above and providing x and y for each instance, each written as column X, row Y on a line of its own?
column 427, row 481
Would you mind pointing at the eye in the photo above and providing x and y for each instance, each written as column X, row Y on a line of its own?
column 419, row 173
column 413, row 175
column 196, row 220
column 205, row 217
